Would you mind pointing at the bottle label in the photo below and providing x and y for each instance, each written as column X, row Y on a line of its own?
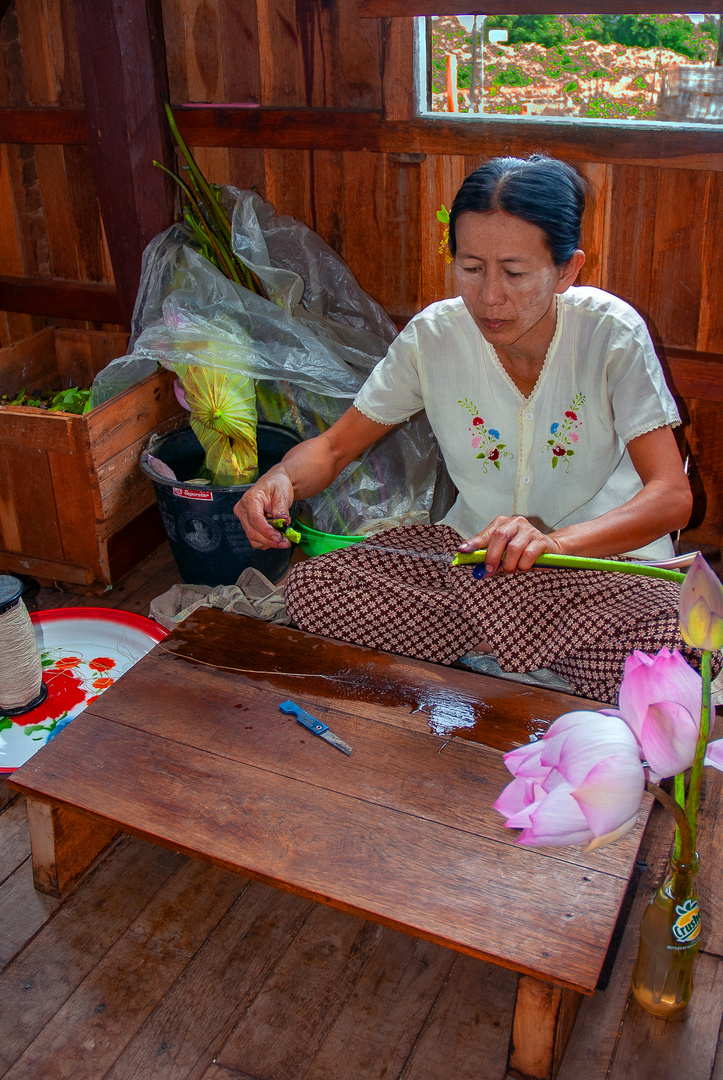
column 686, row 927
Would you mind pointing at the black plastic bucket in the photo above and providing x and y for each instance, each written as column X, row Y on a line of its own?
column 207, row 539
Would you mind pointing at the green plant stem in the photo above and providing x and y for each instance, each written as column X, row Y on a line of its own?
column 199, row 180
column 576, row 562
column 685, row 855
column 212, row 214
column 680, row 799
column 696, row 773
column 204, row 233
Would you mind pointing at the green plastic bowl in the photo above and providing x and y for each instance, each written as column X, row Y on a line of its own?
column 314, row 542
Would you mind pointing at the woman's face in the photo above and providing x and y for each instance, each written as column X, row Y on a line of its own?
column 507, row 279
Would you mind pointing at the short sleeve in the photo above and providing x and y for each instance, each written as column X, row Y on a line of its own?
column 640, row 398
column 393, row 391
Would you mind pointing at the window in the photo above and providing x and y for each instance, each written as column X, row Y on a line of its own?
column 608, row 67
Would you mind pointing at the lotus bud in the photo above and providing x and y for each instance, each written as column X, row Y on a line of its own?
column 701, row 607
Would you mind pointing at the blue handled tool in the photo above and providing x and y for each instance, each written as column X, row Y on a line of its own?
column 314, row 725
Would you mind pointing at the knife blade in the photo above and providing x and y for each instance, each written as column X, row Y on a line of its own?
column 318, row 728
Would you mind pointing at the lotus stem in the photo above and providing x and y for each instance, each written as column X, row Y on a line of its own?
column 696, row 773
column 686, row 845
column 679, row 781
column 576, row 562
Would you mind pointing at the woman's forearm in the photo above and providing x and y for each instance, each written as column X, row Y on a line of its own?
column 663, row 504
column 308, row 467
column 650, row 514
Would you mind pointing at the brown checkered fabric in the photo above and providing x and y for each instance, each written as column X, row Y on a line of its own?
column 399, row 592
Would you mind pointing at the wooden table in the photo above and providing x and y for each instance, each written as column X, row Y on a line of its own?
column 190, row 750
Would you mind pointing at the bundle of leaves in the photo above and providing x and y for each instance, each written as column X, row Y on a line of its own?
column 222, row 405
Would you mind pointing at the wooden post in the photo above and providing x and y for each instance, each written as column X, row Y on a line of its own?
column 123, row 69
column 64, row 843
column 452, row 103
column 543, row 1019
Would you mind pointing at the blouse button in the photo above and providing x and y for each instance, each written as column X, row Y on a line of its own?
column 528, row 416
column 525, row 479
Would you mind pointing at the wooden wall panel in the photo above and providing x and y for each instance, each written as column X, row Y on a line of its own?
column 13, row 326
column 11, row 260
column 328, row 198
column 281, row 56
column 288, row 182
column 710, row 325
column 630, row 232
column 60, row 227
column 360, row 45
column 47, row 193
column 398, row 67
column 702, row 439
column 441, row 176
column 402, row 280
column 680, row 213
column 366, row 248
column 596, row 215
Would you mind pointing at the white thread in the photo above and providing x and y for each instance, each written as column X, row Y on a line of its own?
column 20, row 667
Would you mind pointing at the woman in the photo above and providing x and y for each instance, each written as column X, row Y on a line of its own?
column 555, row 423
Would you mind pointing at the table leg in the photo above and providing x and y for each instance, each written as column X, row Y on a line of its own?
column 64, row 843
column 543, row 1019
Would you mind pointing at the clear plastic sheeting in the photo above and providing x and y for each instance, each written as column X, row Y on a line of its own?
column 309, row 348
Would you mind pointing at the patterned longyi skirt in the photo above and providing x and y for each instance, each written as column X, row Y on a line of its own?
column 399, row 592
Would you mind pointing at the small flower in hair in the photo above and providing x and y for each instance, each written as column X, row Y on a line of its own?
column 443, row 216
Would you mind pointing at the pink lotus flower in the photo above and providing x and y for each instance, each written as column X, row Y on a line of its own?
column 701, row 607
column 660, row 701
column 582, row 782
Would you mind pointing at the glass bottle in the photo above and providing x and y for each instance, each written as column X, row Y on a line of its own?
column 669, row 941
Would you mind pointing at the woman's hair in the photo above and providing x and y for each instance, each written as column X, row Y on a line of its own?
column 538, row 189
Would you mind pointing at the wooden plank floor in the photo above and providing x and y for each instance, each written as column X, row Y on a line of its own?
column 159, row 966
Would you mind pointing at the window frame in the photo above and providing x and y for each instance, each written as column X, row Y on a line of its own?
column 423, row 68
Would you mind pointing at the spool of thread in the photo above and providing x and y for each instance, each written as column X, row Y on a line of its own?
column 21, row 674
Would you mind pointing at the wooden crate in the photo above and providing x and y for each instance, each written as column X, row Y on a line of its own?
column 74, row 504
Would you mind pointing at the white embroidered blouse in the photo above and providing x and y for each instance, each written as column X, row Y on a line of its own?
column 557, row 457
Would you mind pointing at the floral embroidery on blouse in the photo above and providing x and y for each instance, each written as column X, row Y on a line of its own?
column 485, row 439
column 565, row 435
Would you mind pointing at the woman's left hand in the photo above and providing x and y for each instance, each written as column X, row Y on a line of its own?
column 512, row 539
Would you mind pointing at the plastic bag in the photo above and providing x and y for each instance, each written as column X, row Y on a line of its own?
column 309, row 348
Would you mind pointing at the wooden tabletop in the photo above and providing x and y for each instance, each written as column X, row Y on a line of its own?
column 198, row 757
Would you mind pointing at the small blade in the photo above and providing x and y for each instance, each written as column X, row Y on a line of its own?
column 336, row 741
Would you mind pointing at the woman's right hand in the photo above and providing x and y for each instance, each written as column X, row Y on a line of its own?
column 268, row 500
column 307, row 469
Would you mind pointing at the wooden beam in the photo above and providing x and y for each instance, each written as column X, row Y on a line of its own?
column 329, row 129
column 355, row 130
column 62, row 299
column 122, row 61
column 46, row 124
column 404, row 8
column 676, row 147
column 280, row 129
